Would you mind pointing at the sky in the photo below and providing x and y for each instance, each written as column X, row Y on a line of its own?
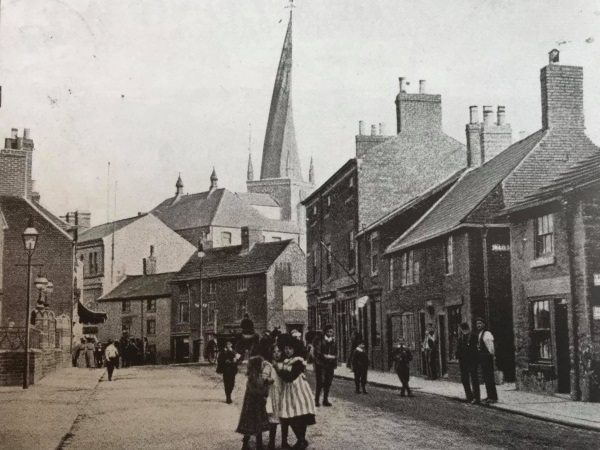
column 160, row 88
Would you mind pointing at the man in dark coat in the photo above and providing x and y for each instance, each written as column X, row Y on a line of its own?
column 264, row 345
column 466, row 353
column 360, row 366
column 485, row 346
column 402, row 359
column 325, row 351
column 247, row 325
column 227, row 365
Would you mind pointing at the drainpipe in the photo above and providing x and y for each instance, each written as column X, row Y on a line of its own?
column 486, row 274
column 569, row 210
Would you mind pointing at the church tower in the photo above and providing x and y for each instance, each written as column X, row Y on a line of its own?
column 280, row 172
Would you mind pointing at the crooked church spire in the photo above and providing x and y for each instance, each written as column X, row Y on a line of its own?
column 280, row 153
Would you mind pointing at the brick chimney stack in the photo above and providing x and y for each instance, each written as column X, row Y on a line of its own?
column 150, row 263
column 473, row 130
column 418, row 113
column 494, row 137
column 249, row 238
column 15, row 165
column 562, row 95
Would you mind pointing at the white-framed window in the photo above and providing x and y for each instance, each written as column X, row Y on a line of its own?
column 225, row 238
column 242, row 284
column 212, row 287
column 314, row 209
column 374, row 252
column 351, row 250
column 410, row 269
column 544, row 236
column 449, row 255
column 184, row 312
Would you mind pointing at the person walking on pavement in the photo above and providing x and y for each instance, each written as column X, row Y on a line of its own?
column 402, row 359
column 111, row 355
column 356, row 338
column 467, row 355
column 325, row 364
column 485, row 347
column 360, row 366
column 297, row 405
column 90, row 350
column 274, row 399
column 253, row 417
column 227, row 365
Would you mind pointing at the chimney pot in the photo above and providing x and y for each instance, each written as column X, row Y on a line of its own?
column 488, row 115
column 401, row 81
column 13, row 133
column 152, row 250
column 26, row 133
column 381, row 128
column 501, row 115
column 422, row 86
column 474, row 114
column 361, row 127
column 373, row 130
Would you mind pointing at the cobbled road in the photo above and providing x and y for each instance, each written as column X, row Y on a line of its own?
column 176, row 407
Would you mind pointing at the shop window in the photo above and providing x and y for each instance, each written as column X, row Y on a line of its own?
column 454, row 321
column 544, row 236
column 540, row 338
column 408, row 330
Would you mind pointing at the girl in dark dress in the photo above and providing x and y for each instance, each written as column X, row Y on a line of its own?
column 297, row 401
column 227, row 365
column 253, row 418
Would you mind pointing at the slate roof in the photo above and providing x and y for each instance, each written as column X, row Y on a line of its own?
column 106, row 229
column 232, row 261
column 254, row 198
column 473, row 187
column 581, row 175
column 217, row 208
column 56, row 220
column 141, row 287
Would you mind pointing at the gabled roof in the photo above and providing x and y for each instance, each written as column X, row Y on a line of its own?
column 106, row 229
column 219, row 207
column 583, row 174
column 16, row 211
column 141, row 287
column 473, row 187
column 57, row 221
column 232, row 261
column 412, row 203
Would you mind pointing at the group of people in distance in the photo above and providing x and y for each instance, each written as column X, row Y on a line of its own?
column 277, row 393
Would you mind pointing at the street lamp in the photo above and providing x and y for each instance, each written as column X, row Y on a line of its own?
column 30, row 237
column 201, row 255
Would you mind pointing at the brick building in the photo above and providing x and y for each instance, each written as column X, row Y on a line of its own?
column 461, row 247
column 264, row 279
column 54, row 250
column 140, row 306
column 556, row 284
column 387, row 171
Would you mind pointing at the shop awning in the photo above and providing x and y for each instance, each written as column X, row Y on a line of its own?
column 89, row 317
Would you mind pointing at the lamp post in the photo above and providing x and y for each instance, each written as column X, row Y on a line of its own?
column 30, row 237
column 201, row 255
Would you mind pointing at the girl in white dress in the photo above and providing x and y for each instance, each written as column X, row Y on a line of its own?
column 274, row 399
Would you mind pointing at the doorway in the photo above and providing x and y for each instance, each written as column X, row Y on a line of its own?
column 442, row 340
column 422, row 331
column 563, row 357
column 182, row 349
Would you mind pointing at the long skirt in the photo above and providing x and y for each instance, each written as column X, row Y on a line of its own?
column 297, row 402
column 253, row 418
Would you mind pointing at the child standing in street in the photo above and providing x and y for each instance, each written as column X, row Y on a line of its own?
column 274, row 398
column 253, row 418
column 402, row 359
column 360, row 366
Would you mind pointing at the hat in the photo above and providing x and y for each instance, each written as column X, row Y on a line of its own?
column 326, row 328
column 295, row 333
column 479, row 319
column 286, row 340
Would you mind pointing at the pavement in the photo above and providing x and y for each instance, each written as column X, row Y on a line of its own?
column 554, row 409
column 41, row 416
